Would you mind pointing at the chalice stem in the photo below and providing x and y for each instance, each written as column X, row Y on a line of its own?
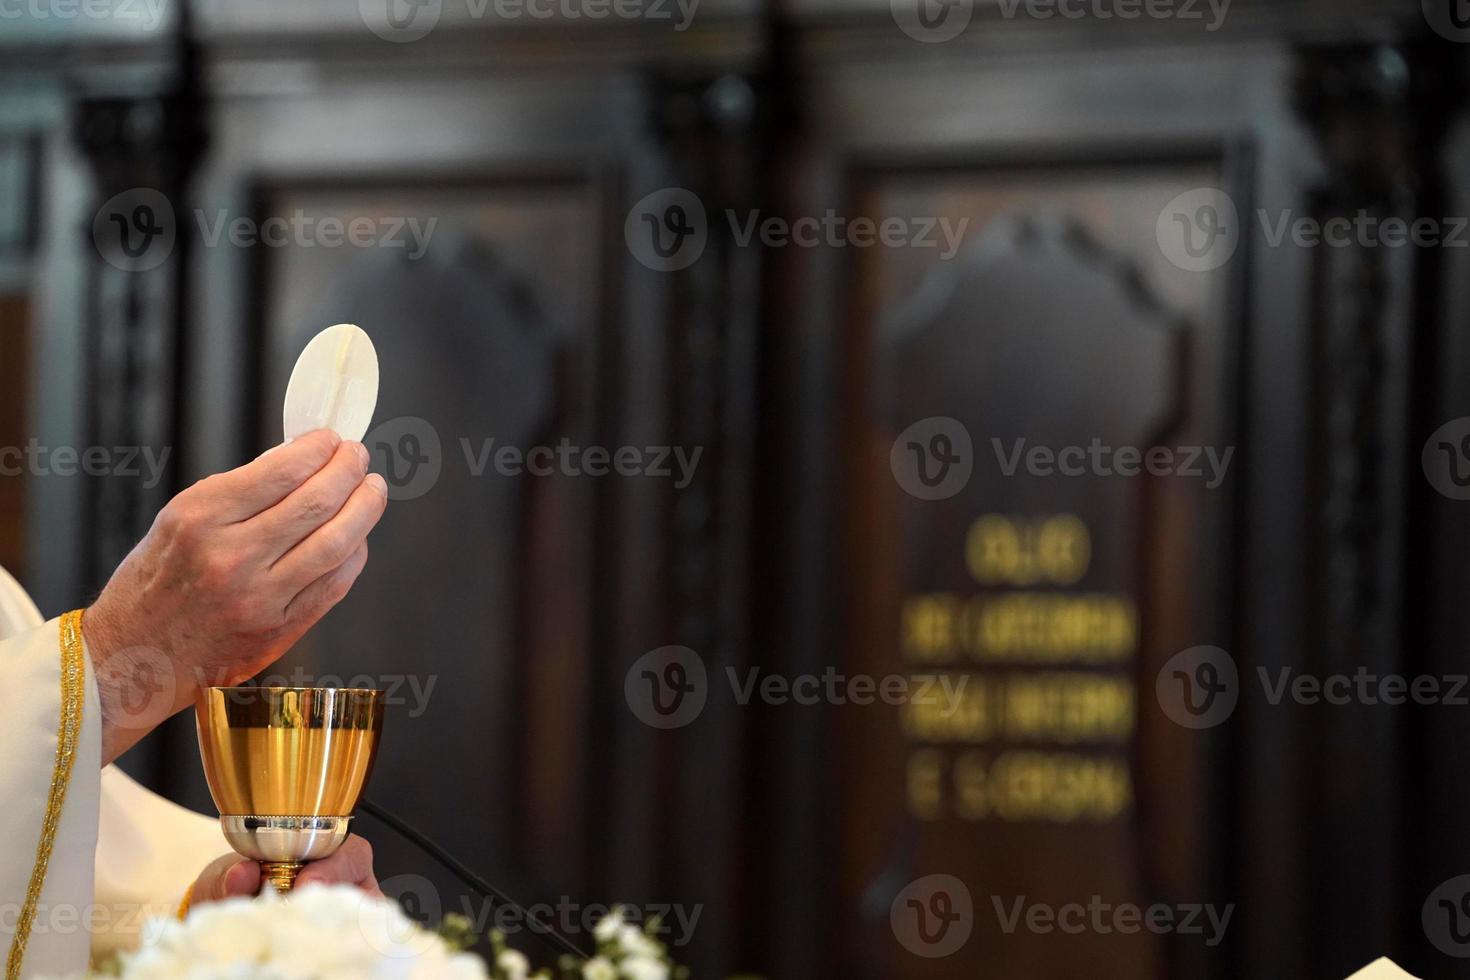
column 281, row 874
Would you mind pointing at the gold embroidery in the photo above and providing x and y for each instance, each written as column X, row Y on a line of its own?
column 184, row 905
column 68, row 733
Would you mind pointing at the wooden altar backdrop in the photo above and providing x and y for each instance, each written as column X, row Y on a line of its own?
column 810, row 379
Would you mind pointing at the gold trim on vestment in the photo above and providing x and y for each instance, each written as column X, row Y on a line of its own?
column 68, row 734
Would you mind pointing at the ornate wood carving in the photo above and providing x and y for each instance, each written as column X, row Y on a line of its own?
column 142, row 150
column 1378, row 113
column 711, row 130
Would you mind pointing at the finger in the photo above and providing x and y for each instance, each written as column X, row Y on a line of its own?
column 337, row 540
column 241, row 493
column 312, row 504
column 352, row 864
column 226, row 876
column 242, row 879
column 313, row 601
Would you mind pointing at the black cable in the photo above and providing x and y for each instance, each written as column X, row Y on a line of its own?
column 465, row 874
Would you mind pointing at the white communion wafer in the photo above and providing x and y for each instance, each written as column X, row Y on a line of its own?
column 334, row 384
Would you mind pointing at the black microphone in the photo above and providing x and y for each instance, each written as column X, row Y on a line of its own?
column 465, row 874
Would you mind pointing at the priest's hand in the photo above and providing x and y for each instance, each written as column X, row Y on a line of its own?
column 231, row 876
column 234, row 570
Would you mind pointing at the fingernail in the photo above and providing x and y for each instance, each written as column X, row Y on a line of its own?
column 378, row 483
column 363, row 455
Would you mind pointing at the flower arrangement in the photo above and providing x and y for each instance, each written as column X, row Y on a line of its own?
column 335, row 932
column 324, row 932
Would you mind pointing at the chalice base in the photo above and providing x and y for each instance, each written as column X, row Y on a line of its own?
column 281, row 875
column 283, row 844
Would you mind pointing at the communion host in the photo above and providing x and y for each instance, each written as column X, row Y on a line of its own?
column 233, row 571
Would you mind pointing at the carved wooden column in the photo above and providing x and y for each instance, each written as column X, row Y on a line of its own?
column 1378, row 114
column 710, row 126
column 141, row 150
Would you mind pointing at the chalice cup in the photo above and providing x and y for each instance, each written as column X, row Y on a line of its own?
column 286, row 766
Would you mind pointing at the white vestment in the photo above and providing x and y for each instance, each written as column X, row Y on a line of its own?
column 121, row 853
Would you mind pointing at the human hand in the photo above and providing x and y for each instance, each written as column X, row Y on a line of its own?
column 231, row 876
column 234, row 570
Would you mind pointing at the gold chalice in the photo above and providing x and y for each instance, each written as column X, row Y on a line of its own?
column 286, row 766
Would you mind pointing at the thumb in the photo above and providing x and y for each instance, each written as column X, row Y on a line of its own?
column 226, row 877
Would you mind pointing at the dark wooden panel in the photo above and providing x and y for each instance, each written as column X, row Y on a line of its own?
column 1032, row 334
column 487, row 340
column 1068, row 133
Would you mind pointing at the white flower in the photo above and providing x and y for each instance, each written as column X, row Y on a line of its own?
column 607, row 927
column 322, row 932
column 599, row 968
column 644, row 968
column 635, row 942
column 513, row 964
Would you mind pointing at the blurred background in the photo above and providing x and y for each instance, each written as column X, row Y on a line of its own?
column 940, row 488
